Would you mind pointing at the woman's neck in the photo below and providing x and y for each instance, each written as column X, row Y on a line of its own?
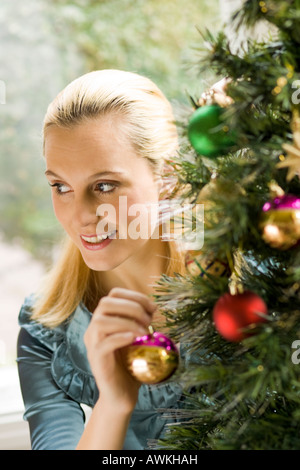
column 140, row 272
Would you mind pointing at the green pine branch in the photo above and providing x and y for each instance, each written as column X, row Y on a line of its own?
column 243, row 395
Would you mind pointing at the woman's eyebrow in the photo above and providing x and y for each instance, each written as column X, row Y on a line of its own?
column 96, row 175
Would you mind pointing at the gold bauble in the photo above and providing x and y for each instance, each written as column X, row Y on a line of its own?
column 152, row 359
column 280, row 222
column 281, row 230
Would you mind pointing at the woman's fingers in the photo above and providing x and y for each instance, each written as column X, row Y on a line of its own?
column 120, row 292
column 116, row 341
column 104, row 325
column 119, row 317
column 126, row 303
column 124, row 308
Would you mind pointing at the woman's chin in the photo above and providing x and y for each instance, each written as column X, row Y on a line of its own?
column 95, row 265
column 100, row 263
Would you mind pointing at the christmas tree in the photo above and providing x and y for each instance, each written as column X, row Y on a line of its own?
column 237, row 311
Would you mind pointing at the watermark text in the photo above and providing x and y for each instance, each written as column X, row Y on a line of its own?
column 174, row 221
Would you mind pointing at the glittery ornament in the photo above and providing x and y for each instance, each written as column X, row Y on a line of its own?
column 152, row 358
column 280, row 222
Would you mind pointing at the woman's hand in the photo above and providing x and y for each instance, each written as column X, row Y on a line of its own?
column 119, row 318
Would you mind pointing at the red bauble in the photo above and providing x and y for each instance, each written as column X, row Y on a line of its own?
column 233, row 313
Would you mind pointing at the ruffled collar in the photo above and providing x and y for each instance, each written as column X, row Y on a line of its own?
column 69, row 366
column 47, row 336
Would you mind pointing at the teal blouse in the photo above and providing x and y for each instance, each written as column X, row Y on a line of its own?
column 56, row 379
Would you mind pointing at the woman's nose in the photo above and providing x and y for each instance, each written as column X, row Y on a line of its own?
column 84, row 211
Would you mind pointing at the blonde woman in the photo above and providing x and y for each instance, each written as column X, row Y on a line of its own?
column 106, row 138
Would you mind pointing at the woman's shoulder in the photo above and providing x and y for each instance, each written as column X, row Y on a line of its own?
column 69, row 364
column 46, row 336
column 71, row 330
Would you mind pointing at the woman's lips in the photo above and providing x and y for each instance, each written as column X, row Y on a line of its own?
column 94, row 244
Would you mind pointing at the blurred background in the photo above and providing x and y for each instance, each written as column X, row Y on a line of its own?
column 44, row 45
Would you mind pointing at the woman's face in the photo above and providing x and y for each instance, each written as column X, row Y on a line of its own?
column 96, row 178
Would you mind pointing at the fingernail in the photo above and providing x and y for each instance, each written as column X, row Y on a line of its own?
column 128, row 334
column 143, row 331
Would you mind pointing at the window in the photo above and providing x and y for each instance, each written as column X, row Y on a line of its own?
column 19, row 277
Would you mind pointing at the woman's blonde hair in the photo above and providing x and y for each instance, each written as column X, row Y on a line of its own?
column 152, row 131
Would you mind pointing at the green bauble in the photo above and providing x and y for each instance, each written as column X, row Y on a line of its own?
column 207, row 133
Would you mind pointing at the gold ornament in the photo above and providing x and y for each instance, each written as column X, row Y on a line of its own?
column 152, row 358
column 281, row 230
column 280, row 222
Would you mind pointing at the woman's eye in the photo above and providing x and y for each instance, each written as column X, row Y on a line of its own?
column 105, row 187
column 60, row 188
